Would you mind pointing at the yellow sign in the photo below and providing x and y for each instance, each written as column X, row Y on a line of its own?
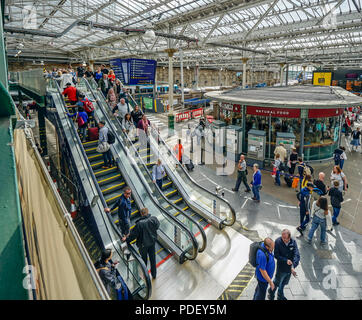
column 322, row 78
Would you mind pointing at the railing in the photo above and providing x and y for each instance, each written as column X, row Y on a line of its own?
column 141, row 282
column 168, row 205
column 169, row 225
column 208, row 200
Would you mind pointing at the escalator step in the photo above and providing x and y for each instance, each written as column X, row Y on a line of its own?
column 171, row 193
column 90, row 149
column 115, row 187
column 97, row 164
column 90, row 142
column 95, row 156
column 109, row 179
column 166, row 184
column 105, row 171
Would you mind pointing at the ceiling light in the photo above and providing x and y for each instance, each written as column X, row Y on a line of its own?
column 149, row 34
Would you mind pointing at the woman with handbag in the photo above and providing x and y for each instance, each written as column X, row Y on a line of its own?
column 103, row 145
column 82, row 121
column 319, row 212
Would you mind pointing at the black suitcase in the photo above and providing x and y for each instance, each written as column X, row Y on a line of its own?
column 288, row 180
column 189, row 165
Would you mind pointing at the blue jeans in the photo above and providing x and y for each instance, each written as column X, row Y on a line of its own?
column 277, row 178
column 316, row 222
column 107, row 158
column 256, row 193
column 260, row 290
column 341, row 163
column 159, row 183
column 335, row 214
column 280, row 281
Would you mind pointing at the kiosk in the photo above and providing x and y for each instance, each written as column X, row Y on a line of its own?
column 234, row 142
column 256, row 147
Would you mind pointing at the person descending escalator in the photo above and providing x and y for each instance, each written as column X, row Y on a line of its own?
column 158, row 172
column 107, row 271
column 145, row 231
column 124, row 211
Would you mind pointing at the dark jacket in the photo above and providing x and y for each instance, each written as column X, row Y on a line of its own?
column 145, row 231
column 102, row 84
column 108, row 275
column 321, row 186
column 124, row 209
column 283, row 252
column 136, row 116
column 336, row 197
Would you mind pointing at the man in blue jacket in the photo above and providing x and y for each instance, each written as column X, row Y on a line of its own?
column 287, row 254
column 256, row 183
column 304, row 205
column 124, row 211
column 265, row 267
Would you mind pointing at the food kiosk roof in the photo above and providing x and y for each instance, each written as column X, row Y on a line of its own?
column 306, row 97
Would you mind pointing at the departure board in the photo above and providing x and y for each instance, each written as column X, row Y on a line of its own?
column 116, row 65
column 142, row 71
column 134, row 71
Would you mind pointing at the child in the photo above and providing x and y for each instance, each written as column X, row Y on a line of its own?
column 336, row 199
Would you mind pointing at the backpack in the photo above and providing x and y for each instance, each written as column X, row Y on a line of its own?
column 110, row 137
column 254, row 247
column 307, row 170
column 88, row 106
column 295, row 183
column 80, row 121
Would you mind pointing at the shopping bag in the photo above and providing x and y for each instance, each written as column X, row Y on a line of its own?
column 103, row 147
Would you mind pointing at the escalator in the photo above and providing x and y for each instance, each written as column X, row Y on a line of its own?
column 178, row 207
column 133, row 269
column 174, row 239
column 111, row 183
column 196, row 202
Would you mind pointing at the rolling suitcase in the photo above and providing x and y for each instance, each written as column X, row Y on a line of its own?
column 190, row 166
column 93, row 134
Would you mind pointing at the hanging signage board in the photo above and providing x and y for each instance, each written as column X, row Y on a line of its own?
column 231, row 107
column 274, row 112
column 134, row 71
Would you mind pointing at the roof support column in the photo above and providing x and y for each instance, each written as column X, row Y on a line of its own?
column 281, row 73
column 244, row 71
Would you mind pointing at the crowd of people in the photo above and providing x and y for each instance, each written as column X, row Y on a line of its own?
column 315, row 197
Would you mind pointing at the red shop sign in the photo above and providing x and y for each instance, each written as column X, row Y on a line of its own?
column 197, row 113
column 183, row 116
column 274, row 112
column 324, row 113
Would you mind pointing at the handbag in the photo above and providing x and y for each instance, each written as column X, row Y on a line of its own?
column 80, row 121
column 103, row 147
column 274, row 173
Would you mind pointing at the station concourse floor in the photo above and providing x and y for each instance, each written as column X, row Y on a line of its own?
column 325, row 272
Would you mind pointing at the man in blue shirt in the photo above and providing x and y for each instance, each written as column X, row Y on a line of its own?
column 287, row 254
column 256, row 183
column 124, row 211
column 158, row 172
column 265, row 267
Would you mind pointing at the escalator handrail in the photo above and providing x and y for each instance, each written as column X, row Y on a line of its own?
column 233, row 213
column 129, row 142
column 133, row 251
column 136, row 169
